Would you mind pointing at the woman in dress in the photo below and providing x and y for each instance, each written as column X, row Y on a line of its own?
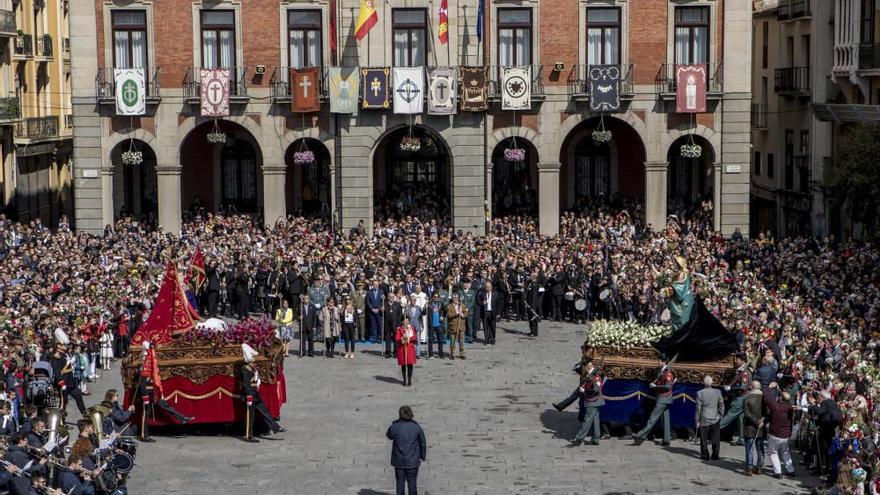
column 106, row 348
column 406, row 350
column 331, row 325
column 349, row 323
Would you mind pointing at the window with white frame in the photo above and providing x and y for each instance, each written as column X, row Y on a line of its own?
column 603, row 36
column 129, row 38
column 514, row 37
column 410, row 37
column 218, row 38
column 692, row 35
column 304, row 37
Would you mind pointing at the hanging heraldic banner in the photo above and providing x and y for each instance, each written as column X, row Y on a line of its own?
column 516, row 88
column 690, row 94
column 131, row 91
column 473, row 89
column 374, row 87
column 442, row 90
column 304, row 87
column 214, row 92
column 409, row 89
column 344, row 89
column 604, row 88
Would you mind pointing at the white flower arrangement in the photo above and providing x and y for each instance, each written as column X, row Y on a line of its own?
column 514, row 154
column 602, row 136
column 624, row 334
column 217, row 137
column 691, row 150
column 410, row 144
column 132, row 157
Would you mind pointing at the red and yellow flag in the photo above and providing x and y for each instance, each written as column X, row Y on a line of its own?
column 443, row 30
column 367, row 18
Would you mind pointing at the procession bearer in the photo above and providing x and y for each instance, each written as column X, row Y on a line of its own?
column 250, row 382
column 664, row 383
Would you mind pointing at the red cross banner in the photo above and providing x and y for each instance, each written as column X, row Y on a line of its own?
column 304, row 88
column 215, row 92
column 690, row 83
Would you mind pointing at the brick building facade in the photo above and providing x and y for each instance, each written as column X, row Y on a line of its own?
column 359, row 170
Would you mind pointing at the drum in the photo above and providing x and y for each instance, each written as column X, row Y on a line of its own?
column 605, row 294
column 580, row 304
column 128, row 446
column 122, row 462
column 106, row 481
column 569, row 296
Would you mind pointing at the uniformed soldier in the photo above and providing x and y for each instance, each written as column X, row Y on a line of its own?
column 62, row 371
column 664, row 383
column 250, row 382
column 737, row 391
column 360, row 304
column 469, row 299
column 591, row 400
column 146, row 395
column 318, row 293
column 533, row 295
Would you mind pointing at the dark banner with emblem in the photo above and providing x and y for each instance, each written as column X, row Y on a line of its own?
column 374, row 88
column 304, row 89
column 473, row 89
column 604, row 88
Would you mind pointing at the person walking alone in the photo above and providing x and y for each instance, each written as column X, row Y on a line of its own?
column 710, row 409
column 406, row 349
column 408, row 450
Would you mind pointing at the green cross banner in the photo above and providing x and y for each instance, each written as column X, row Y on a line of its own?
column 131, row 98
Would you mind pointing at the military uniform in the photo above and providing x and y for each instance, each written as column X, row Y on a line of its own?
column 468, row 300
column 591, row 400
column 663, row 384
column 738, row 390
column 250, row 379
column 146, row 396
column 62, row 370
column 359, row 299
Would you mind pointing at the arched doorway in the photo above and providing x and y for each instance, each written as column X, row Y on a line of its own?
column 411, row 181
column 221, row 178
column 596, row 172
column 307, row 185
column 135, row 187
column 514, row 182
column 689, row 181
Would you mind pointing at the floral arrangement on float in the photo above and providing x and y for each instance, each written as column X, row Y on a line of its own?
column 624, row 334
column 258, row 333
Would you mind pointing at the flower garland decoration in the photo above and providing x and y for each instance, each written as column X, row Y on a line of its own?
column 132, row 157
column 410, row 144
column 691, row 150
column 216, row 136
column 601, row 135
column 258, row 333
column 515, row 154
column 303, row 157
column 624, row 334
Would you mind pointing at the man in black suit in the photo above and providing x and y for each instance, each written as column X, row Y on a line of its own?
column 213, row 289
column 533, row 298
column 308, row 322
column 489, row 305
column 231, row 277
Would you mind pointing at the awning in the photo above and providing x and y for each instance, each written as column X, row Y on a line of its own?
column 845, row 112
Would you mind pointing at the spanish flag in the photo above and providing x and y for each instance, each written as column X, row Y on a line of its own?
column 367, row 18
column 443, row 30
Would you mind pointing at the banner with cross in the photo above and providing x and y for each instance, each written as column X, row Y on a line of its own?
column 442, row 90
column 374, row 88
column 214, row 92
column 409, row 90
column 304, row 90
column 131, row 91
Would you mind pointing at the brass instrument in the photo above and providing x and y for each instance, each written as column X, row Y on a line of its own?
column 16, row 471
column 97, row 414
column 55, row 425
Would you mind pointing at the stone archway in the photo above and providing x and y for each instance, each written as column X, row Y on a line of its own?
column 135, row 187
column 307, row 185
column 515, row 182
column 221, row 178
column 689, row 181
column 412, row 181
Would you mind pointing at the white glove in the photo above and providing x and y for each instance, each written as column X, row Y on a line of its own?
column 653, row 385
column 727, row 388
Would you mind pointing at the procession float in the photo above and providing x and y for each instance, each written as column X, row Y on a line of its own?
column 693, row 342
column 199, row 362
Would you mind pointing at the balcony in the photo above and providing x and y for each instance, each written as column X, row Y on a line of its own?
column 666, row 84
column 759, row 116
column 192, row 86
column 579, row 83
column 793, row 9
column 24, row 47
column 792, row 81
column 279, row 84
column 494, row 86
column 105, row 86
column 7, row 23
column 44, row 48
column 869, row 59
column 34, row 129
column 10, row 109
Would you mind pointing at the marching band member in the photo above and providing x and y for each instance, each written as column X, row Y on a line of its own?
column 62, row 370
column 664, row 383
column 250, row 380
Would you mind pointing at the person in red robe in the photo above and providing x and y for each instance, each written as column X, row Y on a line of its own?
column 406, row 350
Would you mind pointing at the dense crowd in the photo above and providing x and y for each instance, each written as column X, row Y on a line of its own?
column 812, row 302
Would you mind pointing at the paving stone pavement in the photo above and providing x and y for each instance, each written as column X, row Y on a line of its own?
column 489, row 422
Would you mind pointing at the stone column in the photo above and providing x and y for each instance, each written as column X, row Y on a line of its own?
column 168, row 179
column 487, row 204
column 274, row 205
column 716, row 195
column 548, row 198
column 107, row 196
column 333, row 216
column 655, row 194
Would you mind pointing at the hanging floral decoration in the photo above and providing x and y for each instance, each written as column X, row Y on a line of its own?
column 132, row 156
column 601, row 135
column 304, row 155
column 216, row 136
column 514, row 153
column 410, row 144
column 691, row 149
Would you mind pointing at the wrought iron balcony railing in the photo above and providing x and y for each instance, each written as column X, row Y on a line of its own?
column 280, row 83
column 105, row 84
column 792, row 81
column 579, row 80
column 44, row 46
column 793, row 9
column 192, row 84
column 666, row 81
column 36, row 128
column 7, row 23
column 10, row 108
column 495, row 81
column 759, row 116
column 24, row 46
